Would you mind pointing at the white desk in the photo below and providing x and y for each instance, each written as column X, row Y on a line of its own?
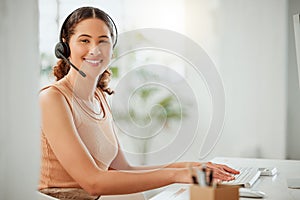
column 274, row 186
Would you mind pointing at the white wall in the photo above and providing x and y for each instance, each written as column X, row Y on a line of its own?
column 293, row 116
column 19, row 124
column 247, row 40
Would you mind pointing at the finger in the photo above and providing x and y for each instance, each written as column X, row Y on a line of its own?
column 217, row 181
column 230, row 170
column 224, row 176
column 211, row 165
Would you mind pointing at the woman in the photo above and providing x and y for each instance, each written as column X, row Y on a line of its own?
column 81, row 157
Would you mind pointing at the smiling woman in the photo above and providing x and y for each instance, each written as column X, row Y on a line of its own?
column 81, row 155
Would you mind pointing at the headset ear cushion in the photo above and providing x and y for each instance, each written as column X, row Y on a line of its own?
column 62, row 48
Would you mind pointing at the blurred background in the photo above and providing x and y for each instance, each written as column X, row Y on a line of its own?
column 250, row 42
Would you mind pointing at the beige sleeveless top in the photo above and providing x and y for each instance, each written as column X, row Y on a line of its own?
column 97, row 133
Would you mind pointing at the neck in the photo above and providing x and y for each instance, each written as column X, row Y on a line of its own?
column 84, row 87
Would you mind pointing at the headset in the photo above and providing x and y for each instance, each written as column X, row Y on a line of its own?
column 62, row 49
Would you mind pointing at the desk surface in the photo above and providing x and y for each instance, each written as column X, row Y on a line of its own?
column 275, row 186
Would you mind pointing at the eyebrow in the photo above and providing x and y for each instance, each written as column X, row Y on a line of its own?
column 86, row 35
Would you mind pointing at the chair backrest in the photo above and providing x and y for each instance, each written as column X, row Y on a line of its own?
column 42, row 196
column 136, row 196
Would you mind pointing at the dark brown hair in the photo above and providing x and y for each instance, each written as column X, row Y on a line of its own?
column 67, row 30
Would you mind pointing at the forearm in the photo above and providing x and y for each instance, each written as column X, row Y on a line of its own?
column 184, row 164
column 171, row 165
column 121, row 182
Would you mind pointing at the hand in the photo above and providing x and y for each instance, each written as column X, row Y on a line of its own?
column 222, row 172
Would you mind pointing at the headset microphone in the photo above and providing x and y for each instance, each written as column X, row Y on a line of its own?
column 61, row 50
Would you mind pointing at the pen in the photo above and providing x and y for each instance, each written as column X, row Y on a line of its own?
column 201, row 177
column 210, row 177
column 204, row 171
column 194, row 178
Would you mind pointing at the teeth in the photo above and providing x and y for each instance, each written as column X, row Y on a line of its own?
column 93, row 61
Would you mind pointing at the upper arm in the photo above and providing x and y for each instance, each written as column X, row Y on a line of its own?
column 58, row 126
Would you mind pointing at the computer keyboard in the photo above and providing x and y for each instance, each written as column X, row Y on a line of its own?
column 246, row 178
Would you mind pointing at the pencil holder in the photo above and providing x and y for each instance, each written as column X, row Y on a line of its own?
column 220, row 192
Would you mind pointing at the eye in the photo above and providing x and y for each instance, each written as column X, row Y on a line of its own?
column 103, row 41
column 84, row 41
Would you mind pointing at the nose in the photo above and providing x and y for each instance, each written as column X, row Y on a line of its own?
column 94, row 51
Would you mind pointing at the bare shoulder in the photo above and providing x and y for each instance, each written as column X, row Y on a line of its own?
column 51, row 95
column 54, row 109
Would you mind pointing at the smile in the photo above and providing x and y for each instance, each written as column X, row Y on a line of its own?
column 94, row 62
